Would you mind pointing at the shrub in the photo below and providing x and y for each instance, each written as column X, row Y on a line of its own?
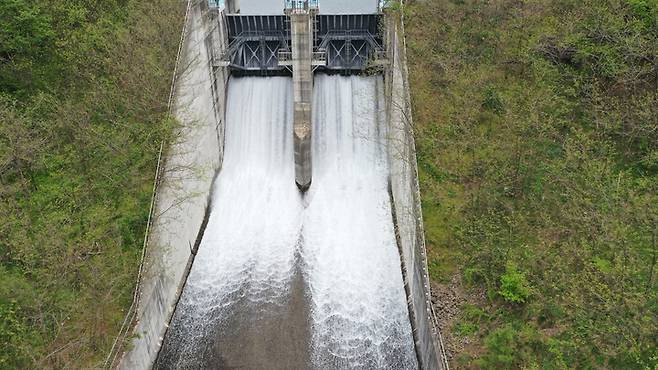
column 514, row 287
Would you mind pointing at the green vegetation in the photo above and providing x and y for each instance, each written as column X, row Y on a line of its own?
column 84, row 86
column 513, row 285
column 537, row 136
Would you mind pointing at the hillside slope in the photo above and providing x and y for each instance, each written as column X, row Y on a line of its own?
column 537, row 135
column 84, row 86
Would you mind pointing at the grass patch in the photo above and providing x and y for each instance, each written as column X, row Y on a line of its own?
column 83, row 108
column 535, row 130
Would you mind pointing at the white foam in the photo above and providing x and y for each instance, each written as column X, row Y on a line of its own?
column 250, row 248
column 254, row 225
column 249, row 245
column 359, row 313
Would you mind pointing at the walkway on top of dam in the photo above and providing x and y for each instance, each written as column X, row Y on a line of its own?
column 275, row 7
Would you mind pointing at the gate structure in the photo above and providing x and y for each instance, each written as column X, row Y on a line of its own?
column 349, row 42
column 261, row 44
column 256, row 40
column 299, row 42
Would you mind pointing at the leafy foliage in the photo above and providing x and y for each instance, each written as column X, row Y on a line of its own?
column 537, row 148
column 12, row 333
column 514, row 287
column 83, row 93
column 26, row 30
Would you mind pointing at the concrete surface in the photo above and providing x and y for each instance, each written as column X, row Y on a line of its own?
column 406, row 205
column 349, row 6
column 273, row 334
column 302, row 79
column 275, row 7
column 185, row 181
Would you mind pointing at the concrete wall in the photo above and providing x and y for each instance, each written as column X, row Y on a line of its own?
column 275, row 7
column 349, row 6
column 183, row 190
column 302, row 80
column 406, row 204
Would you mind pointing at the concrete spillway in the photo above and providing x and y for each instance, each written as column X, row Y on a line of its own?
column 283, row 280
column 240, row 306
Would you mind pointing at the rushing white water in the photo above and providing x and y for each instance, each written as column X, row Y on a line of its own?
column 254, row 225
column 359, row 313
column 261, row 233
column 247, row 254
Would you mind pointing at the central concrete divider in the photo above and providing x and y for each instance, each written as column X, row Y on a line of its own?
column 302, row 76
column 405, row 196
column 184, row 182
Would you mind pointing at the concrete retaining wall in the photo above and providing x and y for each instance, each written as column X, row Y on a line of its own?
column 406, row 204
column 183, row 190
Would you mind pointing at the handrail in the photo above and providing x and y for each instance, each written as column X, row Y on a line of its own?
column 244, row 36
column 316, row 56
column 350, row 34
column 132, row 311
column 299, row 6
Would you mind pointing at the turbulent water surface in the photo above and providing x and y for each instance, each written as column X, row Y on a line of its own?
column 359, row 313
column 283, row 280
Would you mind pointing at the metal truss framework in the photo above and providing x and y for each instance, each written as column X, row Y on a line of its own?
column 341, row 42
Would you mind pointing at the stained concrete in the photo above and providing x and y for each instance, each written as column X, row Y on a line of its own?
column 185, row 181
column 269, row 334
column 302, row 77
column 406, row 203
column 349, row 6
column 275, row 7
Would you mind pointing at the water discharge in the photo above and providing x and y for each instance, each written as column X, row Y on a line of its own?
column 285, row 281
column 359, row 313
column 240, row 289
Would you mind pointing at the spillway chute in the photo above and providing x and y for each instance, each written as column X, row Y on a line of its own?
column 283, row 280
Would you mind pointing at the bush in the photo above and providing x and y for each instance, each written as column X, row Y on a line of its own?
column 83, row 108
column 501, row 349
column 12, row 333
column 514, row 287
column 492, row 101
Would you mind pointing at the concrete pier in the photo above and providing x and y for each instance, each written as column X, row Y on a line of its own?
column 302, row 75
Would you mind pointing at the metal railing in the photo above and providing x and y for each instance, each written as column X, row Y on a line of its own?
column 350, row 35
column 117, row 345
column 301, row 6
column 284, row 56
column 318, row 58
column 239, row 39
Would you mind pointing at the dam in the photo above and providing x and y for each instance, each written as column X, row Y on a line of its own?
column 293, row 238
